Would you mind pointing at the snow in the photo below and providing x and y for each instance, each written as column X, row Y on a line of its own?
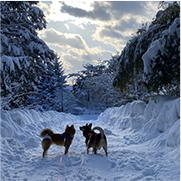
column 8, row 61
column 158, row 45
column 174, row 27
column 150, row 54
column 17, row 62
column 4, row 39
column 143, row 144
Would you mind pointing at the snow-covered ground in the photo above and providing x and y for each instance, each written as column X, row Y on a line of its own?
column 143, row 144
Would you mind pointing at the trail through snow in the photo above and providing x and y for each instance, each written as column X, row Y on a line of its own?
column 141, row 146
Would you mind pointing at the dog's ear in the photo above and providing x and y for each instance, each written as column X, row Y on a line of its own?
column 67, row 126
column 81, row 128
column 90, row 125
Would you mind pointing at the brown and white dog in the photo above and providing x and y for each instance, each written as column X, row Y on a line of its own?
column 64, row 139
column 94, row 140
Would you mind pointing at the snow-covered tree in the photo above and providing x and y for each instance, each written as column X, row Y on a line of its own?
column 162, row 62
column 24, row 56
column 93, row 70
column 51, row 89
column 100, row 90
column 94, row 84
column 163, row 59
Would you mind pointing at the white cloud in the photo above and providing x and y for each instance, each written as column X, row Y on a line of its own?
column 100, row 23
column 52, row 36
column 73, row 49
column 74, row 60
column 115, row 21
column 127, row 17
column 53, row 14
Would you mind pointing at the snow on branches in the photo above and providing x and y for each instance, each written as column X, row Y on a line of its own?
column 24, row 57
column 151, row 59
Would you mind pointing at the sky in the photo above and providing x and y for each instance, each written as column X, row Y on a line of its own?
column 83, row 32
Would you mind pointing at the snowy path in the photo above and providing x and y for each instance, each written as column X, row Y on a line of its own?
column 133, row 154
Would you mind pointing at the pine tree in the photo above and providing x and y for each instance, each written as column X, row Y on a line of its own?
column 24, row 56
column 50, row 90
column 60, row 84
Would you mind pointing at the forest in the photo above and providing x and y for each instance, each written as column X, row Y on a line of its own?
column 32, row 75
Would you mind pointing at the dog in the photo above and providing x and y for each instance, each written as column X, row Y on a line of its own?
column 94, row 140
column 64, row 139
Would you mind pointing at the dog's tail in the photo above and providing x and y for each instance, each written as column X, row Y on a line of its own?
column 46, row 131
column 99, row 129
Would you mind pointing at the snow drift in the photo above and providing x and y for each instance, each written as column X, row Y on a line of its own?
column 143, row 144
column 161, row 115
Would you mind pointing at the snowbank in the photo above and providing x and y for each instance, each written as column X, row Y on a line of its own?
column 160, row 115
column 143, row 144
column 27, row 124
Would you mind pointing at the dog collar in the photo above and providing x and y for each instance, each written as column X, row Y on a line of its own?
column 66, row 136
column 90, row 134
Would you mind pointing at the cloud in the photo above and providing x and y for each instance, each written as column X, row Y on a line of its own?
column 126, row 24
column 116, row 21
column 108, row 10
column 73, row 11
column 72, row 49
column 120, row 8
column 52, row 36
column 74, row 60
column 110, row 33
column 99, row 11
column 104, row 25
